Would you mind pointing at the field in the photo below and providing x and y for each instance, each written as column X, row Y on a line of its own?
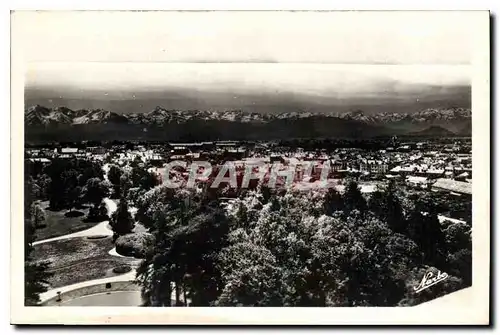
column 58, row 224
column 79, row 259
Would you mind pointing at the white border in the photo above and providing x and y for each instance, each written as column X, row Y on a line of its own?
column 471, row 307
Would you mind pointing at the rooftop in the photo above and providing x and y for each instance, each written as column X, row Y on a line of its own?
column 453, row 186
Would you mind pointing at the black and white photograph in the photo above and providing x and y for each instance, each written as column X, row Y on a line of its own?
column 251, row 159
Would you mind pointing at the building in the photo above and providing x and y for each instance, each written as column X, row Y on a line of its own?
column 417, row 181
column 277, row 159
column 434, row 172
column 444, row 220
column 463, row 176
column 364, row 188
column 69, row 151
column 194, row 156
column 184, row 148
column 337, row 165
column 374, row 166
column 33, row 152
column 452, row 186
column 421, row 145
column 180, row 149
column 96, row 150
column 156, row 160
column 41, row 160
column 226, row 145
column 404, row 170
column 404, row 148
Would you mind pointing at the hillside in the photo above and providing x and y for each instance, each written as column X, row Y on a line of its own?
column 61, row 123
column 434, row 131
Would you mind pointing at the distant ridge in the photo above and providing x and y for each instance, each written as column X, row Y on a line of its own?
column 433, row 131
column 52, row 124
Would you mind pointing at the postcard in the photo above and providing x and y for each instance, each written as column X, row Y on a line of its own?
column 186, row 167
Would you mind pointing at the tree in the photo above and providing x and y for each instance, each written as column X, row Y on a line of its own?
column 121, row 220
column 36, row 274
column 137, row 162
column 457, row 237
column 425, row 230
column 94, row 192
column 57, row 189
column 241, row 218
column 112, row 172
column 460, row 265
column 251, row 275
column 37, row 215
column 72, row 191
column 377, row 203
column 360, row 270
column 205, row 236
column 144, row 179
column 43, row 183
column 88, row 169
column 386, row 205
column 332, row 202
column 98, row 213
column 188, row 235
column 67, row 178
column 114, row 175
column 280, row 228
column 35, row 282
column 149, row 181
column 158, row 201
column 394, row 211
column 73, row 197
column 266, row 193
column 459, row 249
column 125, row 184
column 353, row 198
column 134, row 194
column 31, row 189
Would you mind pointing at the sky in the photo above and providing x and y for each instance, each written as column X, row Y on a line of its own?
column 312, row 79
column 217, row 57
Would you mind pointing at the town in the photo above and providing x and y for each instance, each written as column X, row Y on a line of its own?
column 431, row 166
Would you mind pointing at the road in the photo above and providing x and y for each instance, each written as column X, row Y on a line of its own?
column 102, row 228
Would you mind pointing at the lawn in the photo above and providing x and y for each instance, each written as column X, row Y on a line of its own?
column 79, row 259
column 59, row 224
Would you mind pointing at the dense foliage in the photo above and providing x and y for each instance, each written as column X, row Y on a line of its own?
column 296, row 248
column 35, row 273
column 114, row 175
column 121, row 220
column 68, row 178
column 134, row 245
column 262, row 247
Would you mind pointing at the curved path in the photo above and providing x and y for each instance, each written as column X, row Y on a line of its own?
column 129, row 276
column 113, row 252
column 101, row 228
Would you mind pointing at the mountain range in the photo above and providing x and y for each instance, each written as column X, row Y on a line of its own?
column 62, row 123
